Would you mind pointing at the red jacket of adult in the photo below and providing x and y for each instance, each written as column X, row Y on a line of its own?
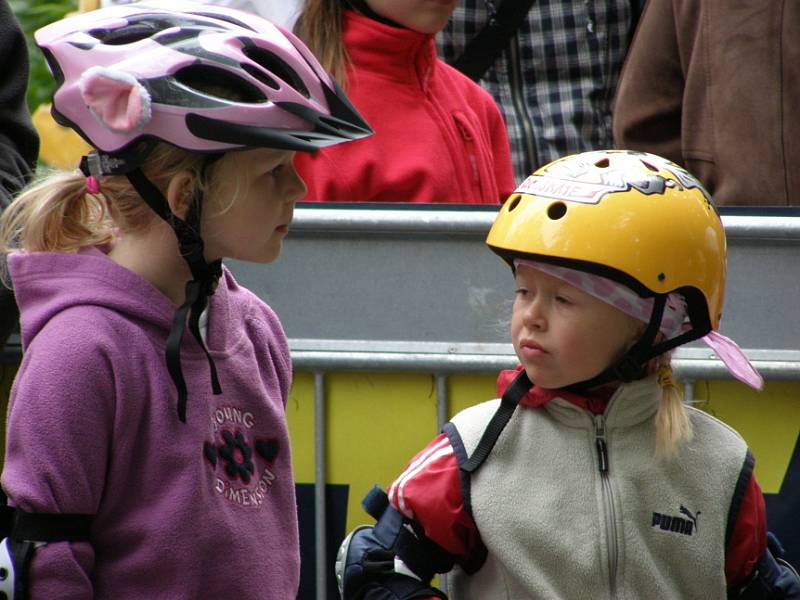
column 439, row 137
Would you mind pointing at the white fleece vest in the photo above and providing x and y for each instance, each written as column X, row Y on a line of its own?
column 556, row 527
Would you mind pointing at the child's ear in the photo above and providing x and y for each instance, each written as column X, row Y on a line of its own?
column 180, row 192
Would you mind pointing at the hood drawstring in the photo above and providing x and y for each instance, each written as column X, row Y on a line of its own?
column 205, row 277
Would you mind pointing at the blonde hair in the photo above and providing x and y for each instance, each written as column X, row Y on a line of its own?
column 57, row 213
column 673, row 427
column 320, row 27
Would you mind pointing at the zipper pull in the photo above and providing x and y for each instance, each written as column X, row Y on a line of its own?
column 462, row 129
column 491, row 11
column 600, row 443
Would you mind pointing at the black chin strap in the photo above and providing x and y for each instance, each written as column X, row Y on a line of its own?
column 204, row 281
column 631, row 366
column 628, row 368
column 508, row 404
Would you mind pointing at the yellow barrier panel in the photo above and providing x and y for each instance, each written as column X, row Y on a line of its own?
column 376, row 422
column 769, row 421
column 61, row 147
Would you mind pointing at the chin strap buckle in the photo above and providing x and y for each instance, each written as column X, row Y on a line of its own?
column 628, row 369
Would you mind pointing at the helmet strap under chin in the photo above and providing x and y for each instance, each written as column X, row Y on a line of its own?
column 202, row 285
column 631, row 365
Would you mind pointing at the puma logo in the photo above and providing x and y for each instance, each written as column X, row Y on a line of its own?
column 674, row 524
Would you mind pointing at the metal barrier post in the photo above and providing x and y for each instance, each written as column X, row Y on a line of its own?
column 442, row 403
column 442, row 416
column 320, row 517
column 688, row 392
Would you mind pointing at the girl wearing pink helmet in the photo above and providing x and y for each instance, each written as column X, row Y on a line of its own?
column 145, row 458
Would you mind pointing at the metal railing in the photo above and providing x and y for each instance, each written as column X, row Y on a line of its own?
column 352, row 293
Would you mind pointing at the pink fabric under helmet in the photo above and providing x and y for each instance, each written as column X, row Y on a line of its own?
column 201, row 77
column 672, row 322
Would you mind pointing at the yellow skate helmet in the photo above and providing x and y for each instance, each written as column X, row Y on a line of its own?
column 633, row 217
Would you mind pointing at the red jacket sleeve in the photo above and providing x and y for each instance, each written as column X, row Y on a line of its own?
column 749, row 538
column 429, row 493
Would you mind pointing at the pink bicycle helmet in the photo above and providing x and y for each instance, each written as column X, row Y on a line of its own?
column 202, row 77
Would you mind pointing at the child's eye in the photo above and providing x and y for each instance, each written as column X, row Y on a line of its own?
column 563, row 300
column 520, row 292
column 276, row 171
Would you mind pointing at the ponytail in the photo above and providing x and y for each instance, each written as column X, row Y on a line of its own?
column 320, row 27
column 673, row 426
column 59, row 213
column 55, row 214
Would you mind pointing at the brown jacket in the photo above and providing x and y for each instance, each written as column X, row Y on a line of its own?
column 714, row 85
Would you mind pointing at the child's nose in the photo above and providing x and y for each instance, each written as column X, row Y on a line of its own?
column 296, row 187
column 536, row 315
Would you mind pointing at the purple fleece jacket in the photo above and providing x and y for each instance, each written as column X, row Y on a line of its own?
column 204, row 509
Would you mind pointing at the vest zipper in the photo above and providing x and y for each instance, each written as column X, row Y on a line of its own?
column 608, row 500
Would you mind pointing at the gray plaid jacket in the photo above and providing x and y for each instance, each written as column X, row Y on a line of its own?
column 555, row 81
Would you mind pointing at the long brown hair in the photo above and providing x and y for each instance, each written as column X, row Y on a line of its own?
column 320, row 27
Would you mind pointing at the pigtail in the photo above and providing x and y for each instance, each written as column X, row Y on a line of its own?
column 673, row 426
column 320, row 27
column 55, row 214
column 65, row 211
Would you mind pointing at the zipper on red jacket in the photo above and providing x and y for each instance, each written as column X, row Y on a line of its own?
column 608, row 502
column 469, row 140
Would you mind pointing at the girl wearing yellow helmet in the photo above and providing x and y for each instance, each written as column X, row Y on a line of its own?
column 588, row 478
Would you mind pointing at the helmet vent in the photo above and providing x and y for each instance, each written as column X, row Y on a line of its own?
column 219, row 83
column 261, row 76
column 150, row 26
column 556, row 210
column 513, row 202
column 226, row 18
column 124, row 35
column 603, row 163
column 649, row 166
column 276, row 66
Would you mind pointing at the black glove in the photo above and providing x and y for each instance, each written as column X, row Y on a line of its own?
column 365, row 570
column 773, row 578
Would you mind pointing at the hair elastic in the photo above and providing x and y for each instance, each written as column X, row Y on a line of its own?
column 92, row 185
column 665, row 380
